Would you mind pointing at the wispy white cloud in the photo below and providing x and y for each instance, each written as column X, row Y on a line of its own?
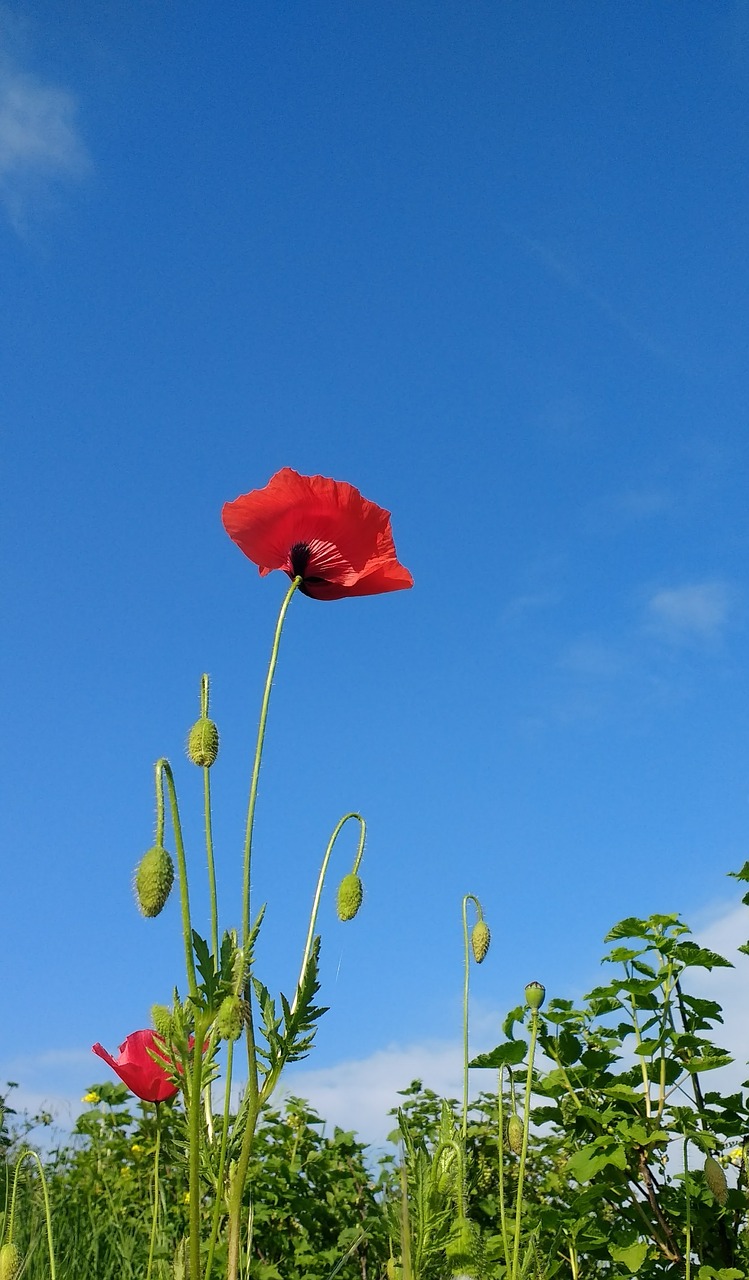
column 696, row 611
column 359, row 1093
column 40, row 143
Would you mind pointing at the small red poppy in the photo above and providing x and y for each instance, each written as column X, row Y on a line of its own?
column 321, row 530
column 138, row 1070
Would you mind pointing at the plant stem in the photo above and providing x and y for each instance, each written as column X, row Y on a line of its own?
column 318, row 891
column 204, row 699
column 201, row 1028
column 469, row 897
column 164, row 771
column 258, row 758
column 155, row 1218
column 27, row 1152
column 688, row 1248
column 524, row 1149
column 251, row 1104
column 221, row 1161
column 501, row 1144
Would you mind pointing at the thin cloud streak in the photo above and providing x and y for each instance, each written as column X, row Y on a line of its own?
column 698, row 610
column 40, row 144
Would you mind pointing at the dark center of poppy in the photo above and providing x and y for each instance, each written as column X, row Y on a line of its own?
column 299, row 557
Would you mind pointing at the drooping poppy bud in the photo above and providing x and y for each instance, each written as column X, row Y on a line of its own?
column 515, row 1134
column 11, row 1261
column 230, row 1018
column 350, row 894
column 716, row 1179
column 154, row 878
column 535, row 994
column 480, row 939
column 202, row 742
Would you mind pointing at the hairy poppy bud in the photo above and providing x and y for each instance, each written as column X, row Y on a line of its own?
column 535, row 993
column 161, row 1018
column 515, row 1134
column 230, row 1018
column 716, row 1179
column 10, row 1262
column 350, row 894
column 202, row 742
column 480, row 939
column 154, row 878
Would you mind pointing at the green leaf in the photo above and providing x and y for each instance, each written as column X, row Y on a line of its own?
column 632, row 927
column 700, row 957
column 632, row 1255
column 509, row 1054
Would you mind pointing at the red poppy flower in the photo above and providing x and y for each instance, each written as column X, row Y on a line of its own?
column 138, row 1070
column 321, row 530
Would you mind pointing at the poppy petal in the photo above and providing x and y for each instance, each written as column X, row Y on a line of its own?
column 343, row 540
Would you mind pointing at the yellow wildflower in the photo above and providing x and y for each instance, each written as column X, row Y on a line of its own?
column 91, row 1097
column 136, row 1148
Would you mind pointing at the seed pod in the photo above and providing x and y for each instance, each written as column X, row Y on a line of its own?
column 716, row 1179
column 230, row 1018
column 162, row 1020
column 202, row 742
column 154, row 878
column 535, row 993
column 350, row 894
column 10, row 1262
column 515, row 1134
column 480, row 939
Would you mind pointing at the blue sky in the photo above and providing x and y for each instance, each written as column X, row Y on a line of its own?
column 487, row 263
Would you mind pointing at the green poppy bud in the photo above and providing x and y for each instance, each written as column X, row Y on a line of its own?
column 202, row 742
column 10, row 1262
column 230, row 1018
column 161, row 1017
column 350, row 894
column 515, row 1134
column 154, row 878
column 480, row 939
column 535, row 994
column 716, row 1179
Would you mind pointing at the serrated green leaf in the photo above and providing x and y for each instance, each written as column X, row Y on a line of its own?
column 509, row 1054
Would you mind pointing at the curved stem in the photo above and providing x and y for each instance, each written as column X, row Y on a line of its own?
column 318, row 891
column 251, row 1103
column 524, row 1149
column 164, row 771
column 155, row 1218
column 258, row 757
column 27, row 1152
column 469, row 897
column 204, row 699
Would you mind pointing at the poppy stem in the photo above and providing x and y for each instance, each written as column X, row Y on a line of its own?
column 469, row 897
column 251, row 1104
column 164, row 771
column 297, row 582
column 204, row 698
column 156, row 1190
column 318, row 891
